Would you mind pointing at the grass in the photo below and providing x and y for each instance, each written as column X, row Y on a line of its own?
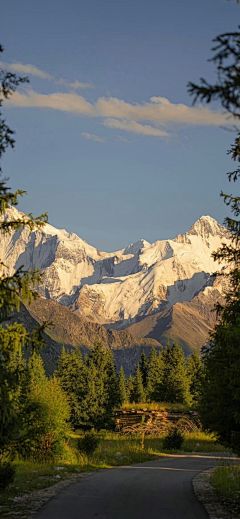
column 32, row 476
column 201, row 442
column 158, row 406
column 194, row 442
column 225, row 479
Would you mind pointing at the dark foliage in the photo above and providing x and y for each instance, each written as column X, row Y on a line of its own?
column 88, row 443
column 173, row 440
column 92, row 387
column 14, row 339
column 7, row 474
column 220, row 400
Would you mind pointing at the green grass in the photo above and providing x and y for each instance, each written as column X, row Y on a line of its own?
column 32, row 476
column 194, row 442
column 158, row 406
column 201, row 442
column 226, row 480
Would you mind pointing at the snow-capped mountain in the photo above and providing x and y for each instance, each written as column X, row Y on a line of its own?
column 119, row 288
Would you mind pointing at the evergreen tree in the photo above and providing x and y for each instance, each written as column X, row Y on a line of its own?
column 175, row 385
column 129, row 388
column 155, row 376
column 138, row 394
column 102, row 390
column 220, row 403
column 111, row 385
column 20, row 285
column 122, row 387
column 36, row 375
column 72, row 375
column 144, row 365
column 12, row 374
column 195, row 375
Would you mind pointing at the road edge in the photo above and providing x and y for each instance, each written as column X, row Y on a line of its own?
column 26, row 506
column 206, row 494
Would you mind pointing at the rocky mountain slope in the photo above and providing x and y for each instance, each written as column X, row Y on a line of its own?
column 72, row 331
column 157, row 291
column 188, row 323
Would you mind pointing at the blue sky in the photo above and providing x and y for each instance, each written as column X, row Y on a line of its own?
column 107, row 140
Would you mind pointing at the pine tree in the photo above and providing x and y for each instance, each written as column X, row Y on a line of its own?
column 138, row 394
column 144, row 366
column 175, row 385
column 155, row 376
column 102, row 392
column 111, row 386
column 35, row 371
column 72, row 375
column 14, row 338
column 129, row 388
column 122, row 387
column 195, row 375
column 12, row 375
column 220, row 402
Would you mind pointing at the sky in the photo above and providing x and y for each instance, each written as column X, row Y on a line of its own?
column 107, row 139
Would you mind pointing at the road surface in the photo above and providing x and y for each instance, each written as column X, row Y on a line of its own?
column 159, row 489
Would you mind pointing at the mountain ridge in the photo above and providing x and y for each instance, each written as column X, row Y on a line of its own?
column 121, row 288
column 69, row 330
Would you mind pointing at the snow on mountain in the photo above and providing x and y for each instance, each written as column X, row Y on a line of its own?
column 117, row 288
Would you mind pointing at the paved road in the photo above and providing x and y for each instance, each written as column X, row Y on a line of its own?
column 155, row 490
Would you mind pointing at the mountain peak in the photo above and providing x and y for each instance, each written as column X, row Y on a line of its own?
column 205, row 226
column 135, row 248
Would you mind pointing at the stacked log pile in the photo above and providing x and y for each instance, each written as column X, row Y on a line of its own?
column 155, row 421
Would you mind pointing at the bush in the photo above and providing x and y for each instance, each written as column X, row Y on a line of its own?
column 7, row 474
column 89, row 443
column 46, row 413
column 173, row 440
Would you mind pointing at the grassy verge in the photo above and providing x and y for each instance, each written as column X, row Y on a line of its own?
column 225, row 479
column 194, row 442
column 114, row 450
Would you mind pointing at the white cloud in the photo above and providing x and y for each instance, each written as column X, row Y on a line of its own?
column 159, row 111
column 121, row 138
column 93, row 137
column 117, row 113
column 20, row 68
column 58, row 101
column 75, row 85
column 134, row 127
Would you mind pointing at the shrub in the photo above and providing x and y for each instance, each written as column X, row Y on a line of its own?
column 89, row 443
column 7, row 474
column 173, row 440
column 46, row 412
